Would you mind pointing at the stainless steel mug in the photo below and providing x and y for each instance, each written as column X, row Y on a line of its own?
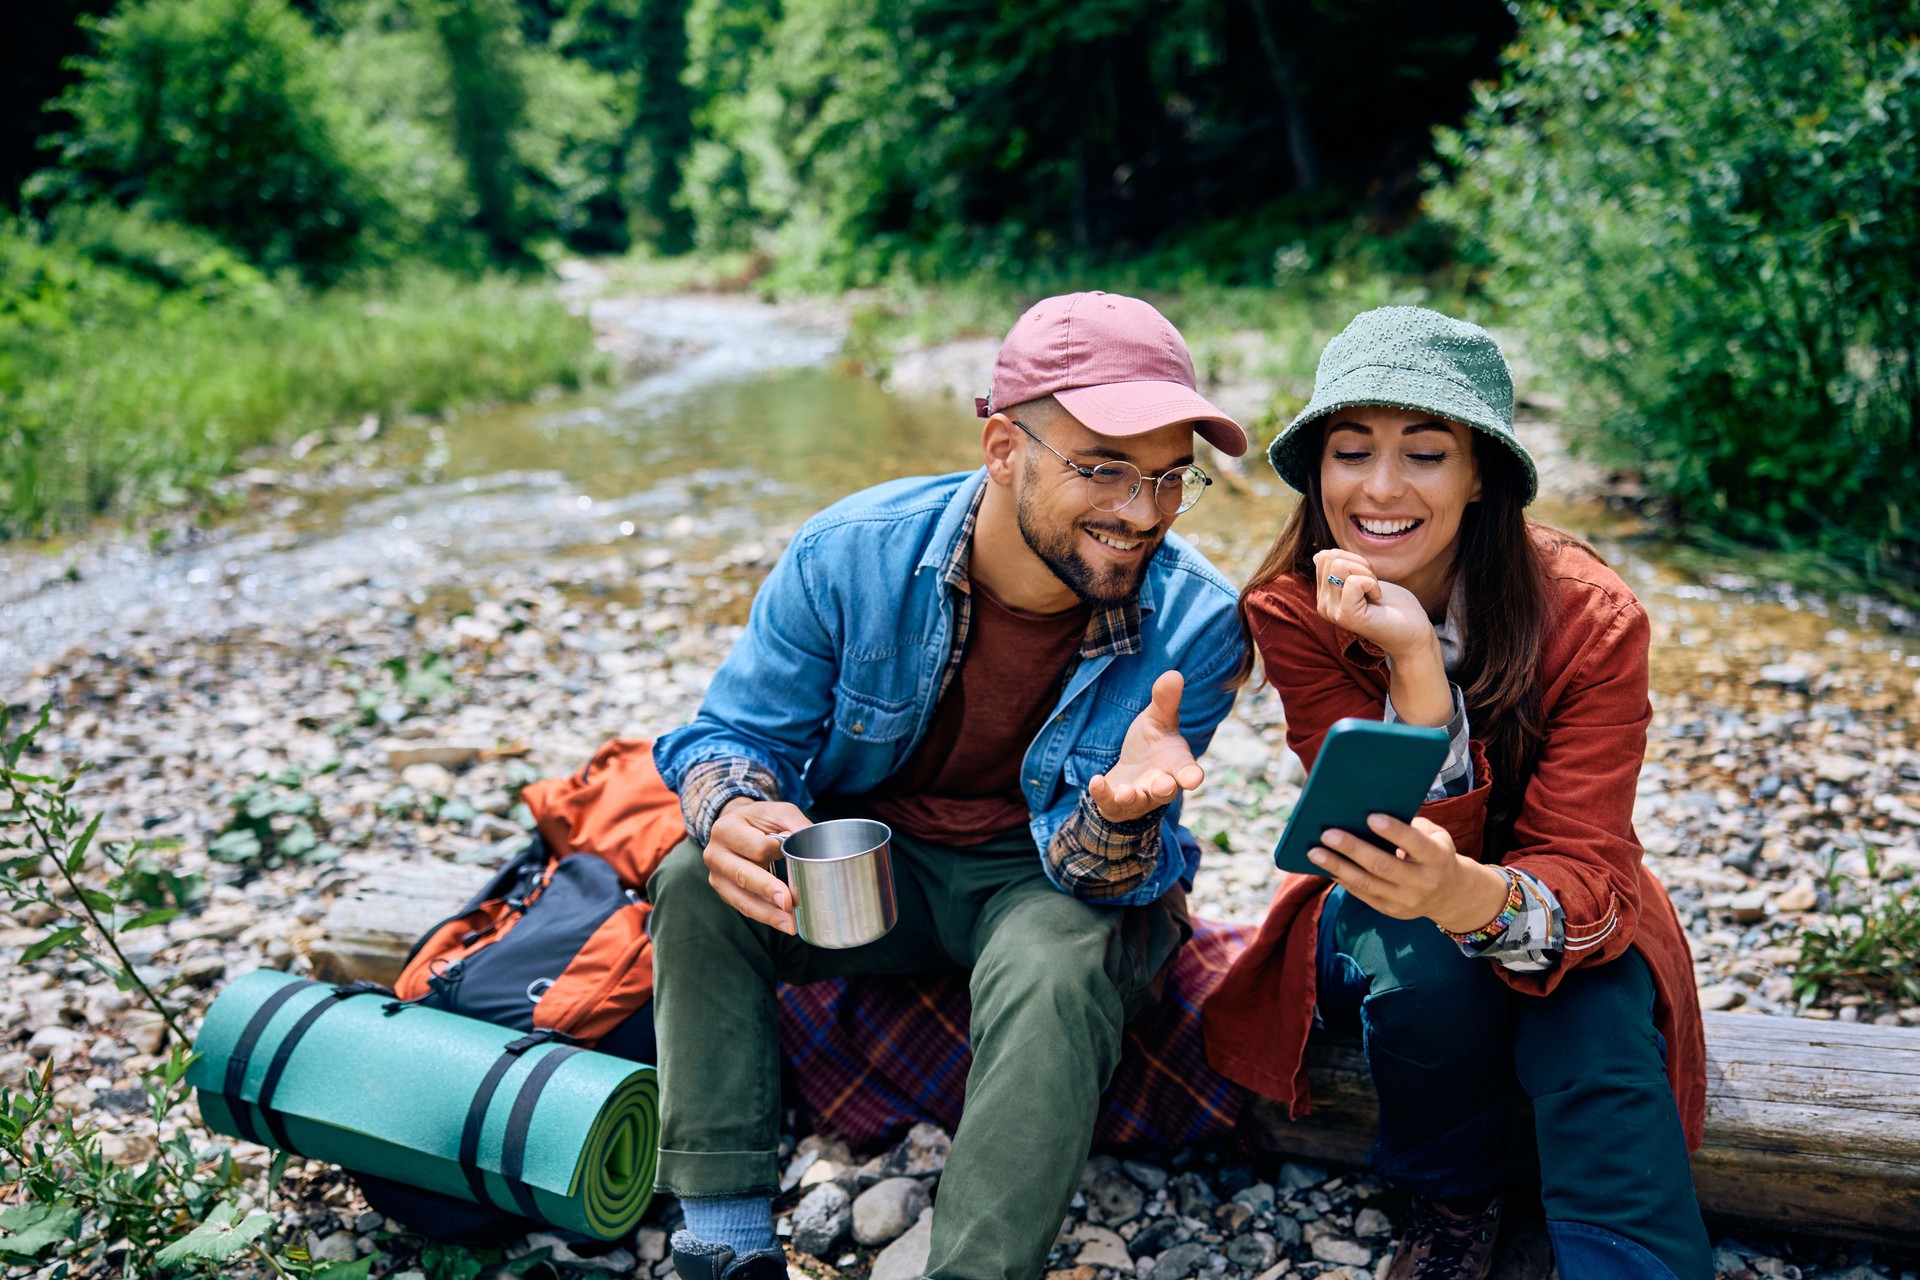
column 841, row 874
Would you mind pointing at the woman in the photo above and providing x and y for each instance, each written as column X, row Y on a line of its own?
column 1513, row 944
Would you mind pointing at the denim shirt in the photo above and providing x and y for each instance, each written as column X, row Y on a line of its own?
column 835, row 680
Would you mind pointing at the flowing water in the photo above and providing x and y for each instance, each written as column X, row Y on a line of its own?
column 745, row 427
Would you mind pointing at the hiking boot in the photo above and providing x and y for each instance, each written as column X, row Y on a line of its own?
column 695, row 1259
column 1447, row 1241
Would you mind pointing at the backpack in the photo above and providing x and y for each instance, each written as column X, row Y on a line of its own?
column 557, row 940
column 555, row 944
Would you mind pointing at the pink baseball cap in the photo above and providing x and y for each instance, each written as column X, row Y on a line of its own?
column 1113, row 362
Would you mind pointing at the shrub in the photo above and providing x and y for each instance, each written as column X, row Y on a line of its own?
column 217, row 113
column 1709, row 217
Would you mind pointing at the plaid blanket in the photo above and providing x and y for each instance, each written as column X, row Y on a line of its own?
column 874, row 1056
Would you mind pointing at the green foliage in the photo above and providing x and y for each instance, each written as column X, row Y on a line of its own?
column 216, row 112
column 842, row 135
column 481, row 41
column 222, row 1235
column 276, row 820
column 118, row 391
column 1709, row 217
column 80, row 1203
column 406, row 688
column 1872, row 948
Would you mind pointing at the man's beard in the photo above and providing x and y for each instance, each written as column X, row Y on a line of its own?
column 1058, row 548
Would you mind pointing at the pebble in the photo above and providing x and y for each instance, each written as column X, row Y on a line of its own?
column 823, row 1218
column 1348, row 1253
column 906, row 1258
column 922, row 1154
column 886, row 1209
column 1179, row 1262
column 1113, row 1199
column 1100, row 1247
column 337, row 1247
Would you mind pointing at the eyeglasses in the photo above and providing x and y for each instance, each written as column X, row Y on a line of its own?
column 1112, row 485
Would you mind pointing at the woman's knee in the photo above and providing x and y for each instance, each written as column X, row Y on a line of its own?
column 1596, row 1028
column 1426, row 1002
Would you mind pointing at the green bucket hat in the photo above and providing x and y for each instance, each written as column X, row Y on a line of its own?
column 1407, row 358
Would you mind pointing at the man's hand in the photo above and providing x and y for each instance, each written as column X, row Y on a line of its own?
column 745, row 842
column 1155, row 762
column 1425, row 876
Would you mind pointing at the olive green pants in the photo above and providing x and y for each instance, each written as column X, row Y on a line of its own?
column 1052, row 978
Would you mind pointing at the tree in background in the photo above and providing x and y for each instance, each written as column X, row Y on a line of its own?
column 1709, row 219
column 481, row 41
column 217, row 113
column 843, row 133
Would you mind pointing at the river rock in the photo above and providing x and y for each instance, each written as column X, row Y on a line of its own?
column 1370, row 1222
column 886, row 1209
column 1114, row 1198
column 55, row 1042
column 1721, row 996
column 1797, row 897
column 1349, row 1253
column 1254, row 1250
column 1150, row 1176
column 922, row 1154
column 906, row 1258
column 1193, row 1196
column 1100, row 1247
column 1298, row 1177
column 337, row 1247
column 1258, row 1197
column 1157, row 1237
column 1179, row 1262
column 822, row 1220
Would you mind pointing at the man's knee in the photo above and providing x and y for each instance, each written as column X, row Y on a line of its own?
column 1054, row 954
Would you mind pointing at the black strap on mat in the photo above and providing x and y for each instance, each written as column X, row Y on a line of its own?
column 242, row 1057
column 513, row 1150
column 283, row 1054
column 483, row 1102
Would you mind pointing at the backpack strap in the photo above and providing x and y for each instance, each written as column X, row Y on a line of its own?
column 483, row 1102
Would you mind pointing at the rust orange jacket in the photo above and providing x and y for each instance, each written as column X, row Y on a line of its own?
column 1574, row 828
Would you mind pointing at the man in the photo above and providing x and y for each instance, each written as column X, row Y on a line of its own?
column 1015, row 669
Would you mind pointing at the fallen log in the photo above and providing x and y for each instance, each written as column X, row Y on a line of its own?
column 1811, row 1125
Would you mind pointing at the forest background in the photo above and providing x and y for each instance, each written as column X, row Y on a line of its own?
column 233, row 221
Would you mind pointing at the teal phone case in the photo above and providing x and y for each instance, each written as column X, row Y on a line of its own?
column 1364, row 767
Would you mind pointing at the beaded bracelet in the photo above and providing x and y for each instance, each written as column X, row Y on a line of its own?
column 1498, row 925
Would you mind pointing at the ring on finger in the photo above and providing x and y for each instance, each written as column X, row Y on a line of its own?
column 1338, row 582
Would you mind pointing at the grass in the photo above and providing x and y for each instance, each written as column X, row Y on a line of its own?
column 119, row 398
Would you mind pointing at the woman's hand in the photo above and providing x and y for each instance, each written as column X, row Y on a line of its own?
column 1426, row 877
column 1385, row 613
column 1393, row 618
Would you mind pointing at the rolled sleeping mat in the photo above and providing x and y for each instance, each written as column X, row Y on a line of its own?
column 431, row 1099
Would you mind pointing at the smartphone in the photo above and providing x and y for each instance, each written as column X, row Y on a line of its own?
column 1364, row 767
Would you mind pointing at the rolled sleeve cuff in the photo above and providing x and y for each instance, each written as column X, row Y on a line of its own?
column 1094, row 858
column 1456, row 775
column 1536, row 937
column 708, row 786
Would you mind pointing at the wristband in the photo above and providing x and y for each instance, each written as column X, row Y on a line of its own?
column 1498, row 925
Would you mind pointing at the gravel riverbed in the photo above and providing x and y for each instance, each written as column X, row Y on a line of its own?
column 1782, row 791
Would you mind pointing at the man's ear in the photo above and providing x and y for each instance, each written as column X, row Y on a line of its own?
column 997, row 440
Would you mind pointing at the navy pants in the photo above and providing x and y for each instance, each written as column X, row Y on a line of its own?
column 1452, row 1049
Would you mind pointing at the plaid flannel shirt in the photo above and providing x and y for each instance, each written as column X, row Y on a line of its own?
column 1095, row 858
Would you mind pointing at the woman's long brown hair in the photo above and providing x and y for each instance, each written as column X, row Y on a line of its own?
column 1509, row 610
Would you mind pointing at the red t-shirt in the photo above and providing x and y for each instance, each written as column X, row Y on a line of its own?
column 961, row 785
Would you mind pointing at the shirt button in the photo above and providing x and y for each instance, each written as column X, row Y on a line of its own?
column 858, row 727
